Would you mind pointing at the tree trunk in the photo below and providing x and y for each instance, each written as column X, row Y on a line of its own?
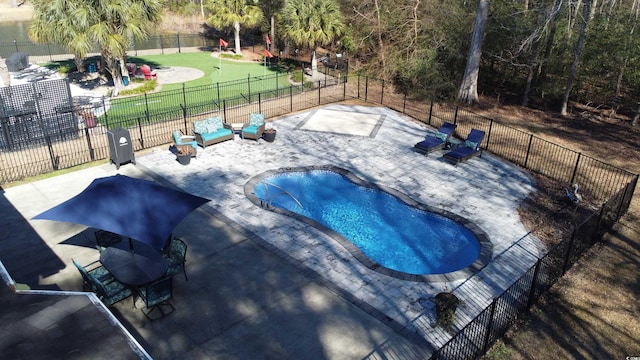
column 469, row 88
column 236, row 36
column 586, row 10
column 314, row 65
column 273, row 33
column 542, row 70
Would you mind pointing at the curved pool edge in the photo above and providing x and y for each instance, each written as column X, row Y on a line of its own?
column 486, row 247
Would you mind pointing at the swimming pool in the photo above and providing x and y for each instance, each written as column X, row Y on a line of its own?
column 384, row 229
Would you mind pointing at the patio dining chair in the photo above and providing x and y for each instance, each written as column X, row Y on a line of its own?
column 156, row 296
column 94, row 269
column 106, row 287
column 110, row 292
column 177, row 257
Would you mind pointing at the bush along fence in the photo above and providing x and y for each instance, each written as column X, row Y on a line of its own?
column 153, row 126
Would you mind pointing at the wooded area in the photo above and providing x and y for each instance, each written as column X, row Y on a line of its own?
column 545, row 54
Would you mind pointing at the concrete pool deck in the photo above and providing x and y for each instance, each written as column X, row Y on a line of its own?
column 263, row 285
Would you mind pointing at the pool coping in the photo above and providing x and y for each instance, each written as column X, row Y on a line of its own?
column 486, row 247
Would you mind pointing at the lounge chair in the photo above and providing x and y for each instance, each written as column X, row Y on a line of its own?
column 468, row 149
column 436, row 141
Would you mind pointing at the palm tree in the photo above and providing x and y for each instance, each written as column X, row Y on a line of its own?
column 62, row 22
column 109, row 24
column 234, row 13
column 312, row 23
column 115, row 24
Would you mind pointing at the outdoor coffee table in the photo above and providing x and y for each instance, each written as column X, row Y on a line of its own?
column 136, row 267
column 237, row 128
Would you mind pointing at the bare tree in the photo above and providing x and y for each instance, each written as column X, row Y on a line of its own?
column 469, row 88
column 586, row 12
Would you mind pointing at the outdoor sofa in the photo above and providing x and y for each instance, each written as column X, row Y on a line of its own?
column 211, row 131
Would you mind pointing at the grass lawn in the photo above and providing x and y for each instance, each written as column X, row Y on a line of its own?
column 223, row 80
column 215, row 69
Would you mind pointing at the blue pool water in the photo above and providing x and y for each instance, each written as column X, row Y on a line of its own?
column 387, row 230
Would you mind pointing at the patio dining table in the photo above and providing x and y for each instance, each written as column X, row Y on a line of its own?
column 134, row 263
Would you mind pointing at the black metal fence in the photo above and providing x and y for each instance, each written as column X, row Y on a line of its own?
column 609, row 185
column 612, row 186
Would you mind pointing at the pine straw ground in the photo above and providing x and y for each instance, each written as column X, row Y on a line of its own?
column 592, row 312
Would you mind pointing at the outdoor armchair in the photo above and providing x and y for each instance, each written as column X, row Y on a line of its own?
column 255, row 128
column 181, row 139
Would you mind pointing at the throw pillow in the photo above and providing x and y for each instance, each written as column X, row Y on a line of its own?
column 471, row 144
column 256, row 119
column 211, row 128
column 440, row 135
column 217, row 122
column 200, row 127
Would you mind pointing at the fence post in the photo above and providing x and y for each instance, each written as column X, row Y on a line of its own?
column 146, row 105
column 534, row 282
column 344, row 88
column 49, row 50
column 259, row 103
column 92, row 153
column 249, row 87
column 161, row 45
column 404, row 103
column 184, row 109
column 485, row 343
column 455, row 115
column 489, row 134
column 382, row 93
column 566, row 264
column 366, row 87
column 319, row 86
column 184, row 117
column 179, row 49
column 575, row 168
column 15, row 43
column 106, row 116
column 430, row 113
column 526, row 158
column 290, row 98
column 140, row 131
column 218, row 87
column 224, row 108
column 358, row 86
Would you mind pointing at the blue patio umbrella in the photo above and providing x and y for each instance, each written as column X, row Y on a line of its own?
column 138, row 209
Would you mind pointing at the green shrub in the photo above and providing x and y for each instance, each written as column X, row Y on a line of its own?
column 231, row 56
column 148, row 86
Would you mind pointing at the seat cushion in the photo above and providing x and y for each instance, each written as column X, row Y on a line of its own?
column 429, row 143
column 218, row 133
column 251, row 129
column 462, row 152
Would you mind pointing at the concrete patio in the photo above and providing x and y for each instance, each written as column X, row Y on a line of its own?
column 262, row 285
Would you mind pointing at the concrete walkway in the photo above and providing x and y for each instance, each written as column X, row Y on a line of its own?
column 262, row 285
